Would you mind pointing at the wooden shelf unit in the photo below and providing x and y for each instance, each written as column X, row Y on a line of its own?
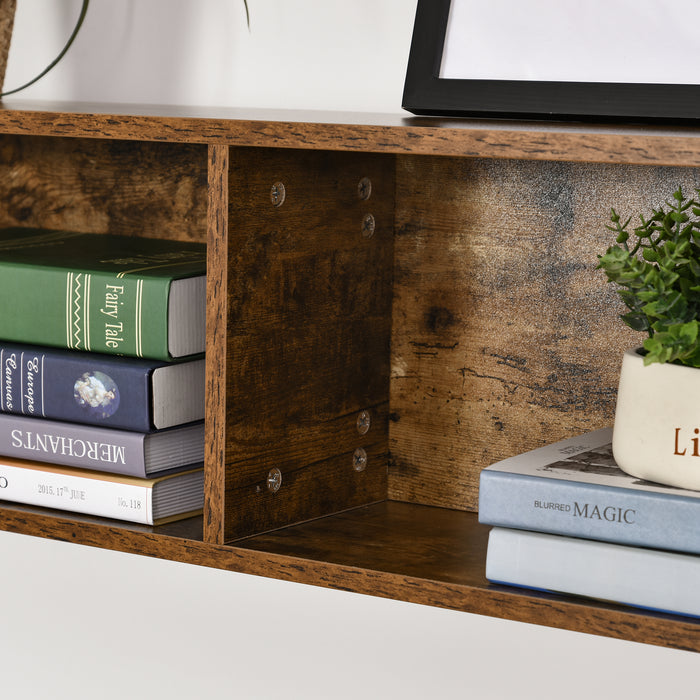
column 436, row 276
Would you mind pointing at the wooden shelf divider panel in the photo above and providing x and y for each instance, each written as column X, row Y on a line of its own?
column 310, row 269
column 217, row 305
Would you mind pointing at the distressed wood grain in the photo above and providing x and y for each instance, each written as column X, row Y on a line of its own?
column 217, row 331
column 155, row 190
column 505, row 337
column 348, row 131
column 308, row 329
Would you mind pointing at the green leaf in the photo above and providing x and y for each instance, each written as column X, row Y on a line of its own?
column 636, row 321
column 656, row 269
column 668, row 223
column 655, row 351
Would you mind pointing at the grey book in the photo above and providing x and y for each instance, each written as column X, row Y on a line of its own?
column 101, row 449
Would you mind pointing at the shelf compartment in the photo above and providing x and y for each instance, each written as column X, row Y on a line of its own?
column 104, row 186
column 505, row 336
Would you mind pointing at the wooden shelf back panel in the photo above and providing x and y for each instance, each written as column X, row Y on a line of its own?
column 308, row 330
column 149, row 189
column 505, row 336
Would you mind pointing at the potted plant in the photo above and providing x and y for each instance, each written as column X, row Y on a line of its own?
column 657, row 269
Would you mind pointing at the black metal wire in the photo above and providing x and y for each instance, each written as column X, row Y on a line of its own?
column 83, row 12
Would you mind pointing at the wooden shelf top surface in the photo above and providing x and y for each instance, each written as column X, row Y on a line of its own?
column 382, row 133
column 418, row 554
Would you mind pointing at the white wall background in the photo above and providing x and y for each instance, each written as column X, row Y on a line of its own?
column 81, row 623
column 306, row 54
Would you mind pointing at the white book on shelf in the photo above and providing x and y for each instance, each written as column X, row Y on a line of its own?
column 647, row 578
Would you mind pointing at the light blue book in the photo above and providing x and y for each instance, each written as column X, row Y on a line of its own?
column 645, row 578
column 575, row 488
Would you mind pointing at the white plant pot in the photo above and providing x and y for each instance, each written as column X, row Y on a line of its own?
column 657, row 422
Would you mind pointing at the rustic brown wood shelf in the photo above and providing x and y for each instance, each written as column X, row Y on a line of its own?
column 436, row 276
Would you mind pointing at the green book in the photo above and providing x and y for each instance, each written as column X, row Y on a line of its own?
column 122, row 295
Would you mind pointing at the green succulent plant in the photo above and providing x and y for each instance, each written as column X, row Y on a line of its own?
column 657, row 269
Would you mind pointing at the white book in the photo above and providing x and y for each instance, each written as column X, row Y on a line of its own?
column 646, row 578
column 146, row 501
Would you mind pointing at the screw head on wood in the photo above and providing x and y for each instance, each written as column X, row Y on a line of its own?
column 359, row 460
column 274, row 480
column 364, row 188
column 363, row 422
column 278, row 194
column 368, row 226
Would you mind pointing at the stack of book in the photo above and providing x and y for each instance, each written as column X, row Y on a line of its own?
column 102, row 374
column 567, row 519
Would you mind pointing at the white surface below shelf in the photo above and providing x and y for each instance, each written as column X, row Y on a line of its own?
column 83, row 623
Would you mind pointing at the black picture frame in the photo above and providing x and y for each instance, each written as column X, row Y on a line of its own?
column 426, row 93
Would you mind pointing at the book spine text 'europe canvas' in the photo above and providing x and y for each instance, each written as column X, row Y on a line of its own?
column 100, row 312
column 79, row 494
column 77, row 387
column 591, row 511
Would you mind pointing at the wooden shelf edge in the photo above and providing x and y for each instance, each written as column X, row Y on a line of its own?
column 270, row 557
column 391, row 133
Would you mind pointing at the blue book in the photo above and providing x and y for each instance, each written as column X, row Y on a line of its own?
column 653, row 579
column 97, row 389
column 575, row 488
